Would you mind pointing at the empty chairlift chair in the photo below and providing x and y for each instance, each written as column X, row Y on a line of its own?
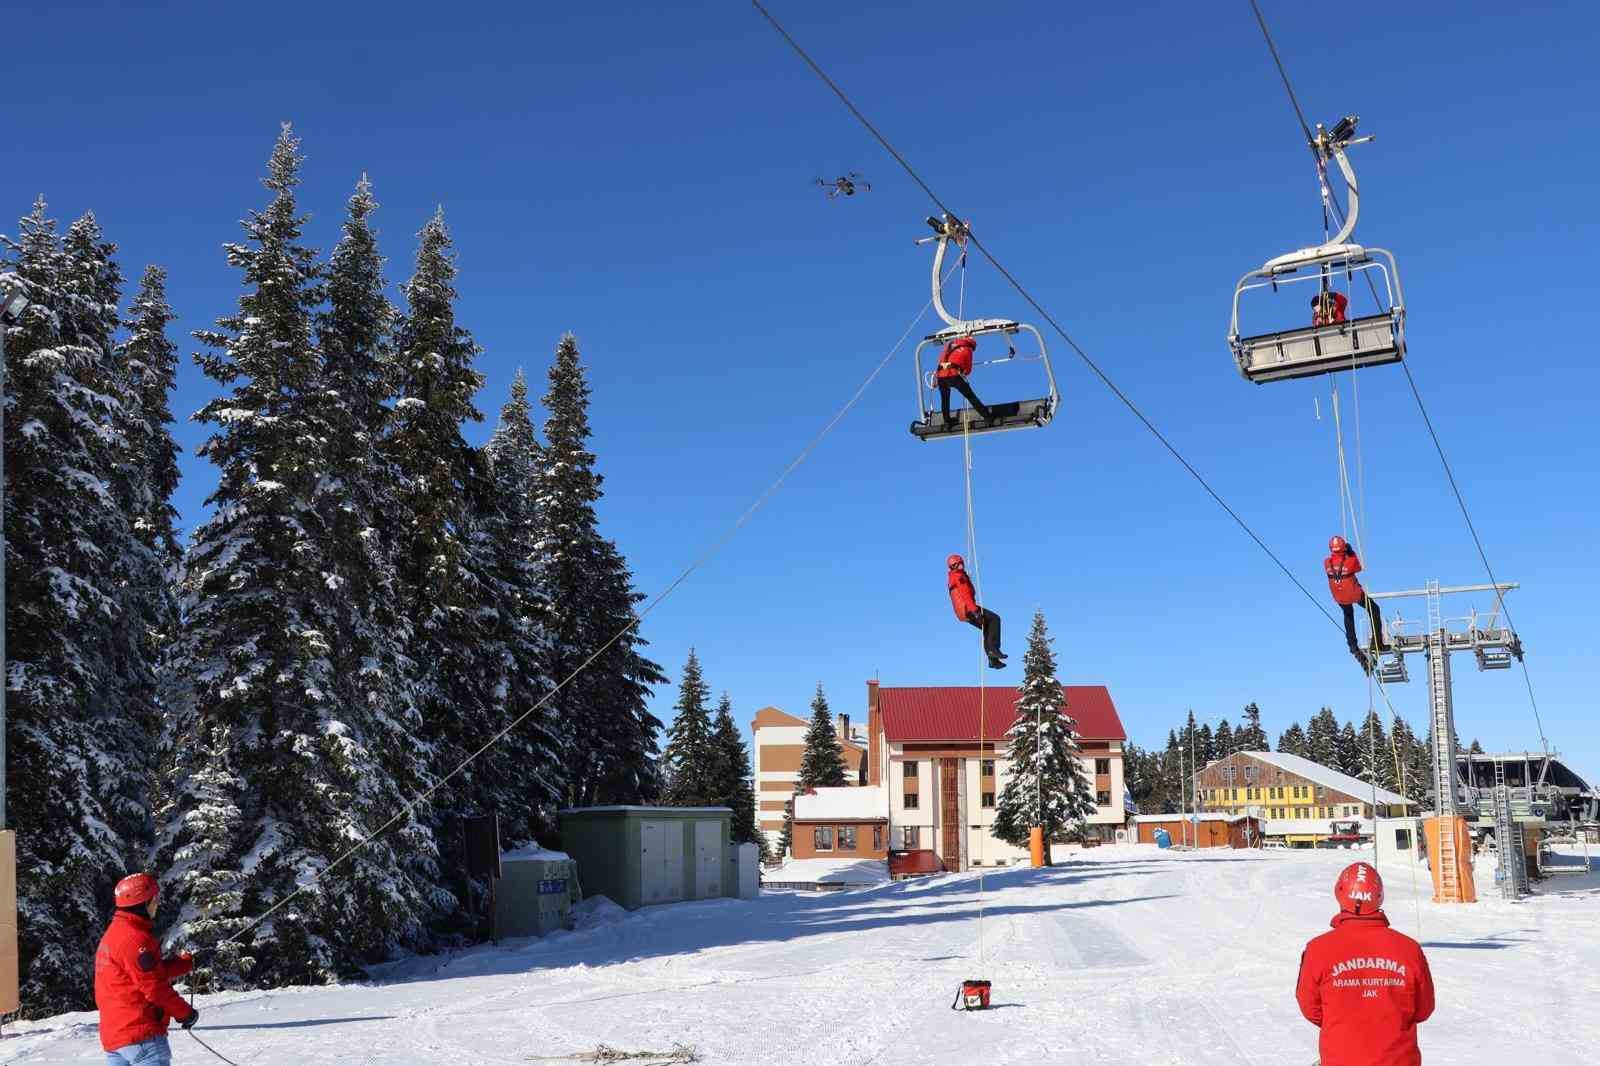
column 1007, row 415
column 1309, row 350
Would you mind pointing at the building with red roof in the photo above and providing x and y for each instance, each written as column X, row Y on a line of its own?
column 941, row 752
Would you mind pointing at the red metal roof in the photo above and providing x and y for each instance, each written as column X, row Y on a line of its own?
column 930, row 713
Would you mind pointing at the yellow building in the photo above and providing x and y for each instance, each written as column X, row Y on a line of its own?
column 1296, row 799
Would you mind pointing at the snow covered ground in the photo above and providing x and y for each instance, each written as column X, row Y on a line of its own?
column 1125, row 956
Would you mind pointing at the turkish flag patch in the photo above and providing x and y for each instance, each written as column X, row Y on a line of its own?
column 147, row 960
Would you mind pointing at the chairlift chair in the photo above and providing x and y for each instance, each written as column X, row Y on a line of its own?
column 1308, row 351
column 1010, row 415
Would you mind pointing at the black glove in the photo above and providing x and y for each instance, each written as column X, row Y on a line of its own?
column 194, row 1016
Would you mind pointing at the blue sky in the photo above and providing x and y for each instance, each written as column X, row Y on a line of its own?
column 643, row 178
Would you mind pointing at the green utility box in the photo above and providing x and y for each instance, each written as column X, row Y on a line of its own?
column 639, row 856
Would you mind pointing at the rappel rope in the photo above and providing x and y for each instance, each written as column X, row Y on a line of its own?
column 983, row 659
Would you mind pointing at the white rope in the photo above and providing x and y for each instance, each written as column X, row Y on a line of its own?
column 983, row 659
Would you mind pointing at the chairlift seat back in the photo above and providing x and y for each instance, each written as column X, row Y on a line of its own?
column 1312, row 350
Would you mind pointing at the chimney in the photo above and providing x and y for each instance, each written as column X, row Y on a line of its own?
column 874, row 736
column 844, row 726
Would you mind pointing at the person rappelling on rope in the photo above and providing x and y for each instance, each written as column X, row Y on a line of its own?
column 955, row 364
column 133, row 983
column 1328, row 307
column 1342, row 566
column 1364, row 985
column 965, row 601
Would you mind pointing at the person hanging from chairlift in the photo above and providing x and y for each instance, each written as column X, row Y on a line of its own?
column 1342, row 565
column 1328, row 307
column 965, row 601
column 955, row 363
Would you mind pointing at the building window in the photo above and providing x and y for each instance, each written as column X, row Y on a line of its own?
column 912, row 801
column 1233, row 795
column 986, row 767
column 1252, row 774
column 847, row 838
column 988, row 799
column 1402, row 839
column 1102, row 766
column 908, row 837
column 1227, row 776
column 1103, row 797
column 877, row 838
column 908, row 770
column 822, row 838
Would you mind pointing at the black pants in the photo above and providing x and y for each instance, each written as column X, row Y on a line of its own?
column 989, row 622
column 961, row 386
column 1374, row 616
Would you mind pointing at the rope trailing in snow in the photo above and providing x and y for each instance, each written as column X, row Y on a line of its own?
column 211, row 1049
column 679, row 1053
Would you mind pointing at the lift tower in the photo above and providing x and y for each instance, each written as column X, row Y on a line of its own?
column 1494, row 646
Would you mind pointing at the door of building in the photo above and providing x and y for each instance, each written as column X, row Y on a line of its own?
column 950, row 813
column 707, row 859
column 661, row 861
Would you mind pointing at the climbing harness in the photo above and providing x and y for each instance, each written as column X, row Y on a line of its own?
column 1015, row 414
column 1328, row 346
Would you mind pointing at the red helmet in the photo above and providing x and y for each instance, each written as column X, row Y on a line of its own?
column 136, row 889
column 1336, row 544
column 955, row 563
column 1359, row 889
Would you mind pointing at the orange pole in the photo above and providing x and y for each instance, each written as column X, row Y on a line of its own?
column 1036, row 845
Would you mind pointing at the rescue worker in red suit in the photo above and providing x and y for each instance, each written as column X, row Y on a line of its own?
column 1327, row 308
column 965, row 601
column 955, row 363
column 1365, row 985
column 133, row 984
column 1342, row 565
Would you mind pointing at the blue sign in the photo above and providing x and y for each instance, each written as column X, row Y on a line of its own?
column 553, row 886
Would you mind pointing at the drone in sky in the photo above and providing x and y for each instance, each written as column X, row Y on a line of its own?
column 845, row 185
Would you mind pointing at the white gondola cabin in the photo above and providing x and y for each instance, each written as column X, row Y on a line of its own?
column 1328, row 343
column 1007, row 415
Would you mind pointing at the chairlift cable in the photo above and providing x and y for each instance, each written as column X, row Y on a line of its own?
column 1011, row 279
column 1500, row 602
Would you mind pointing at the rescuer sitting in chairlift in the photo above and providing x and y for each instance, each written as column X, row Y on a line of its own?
column 955, row 363
column 1327, row 308
column 1342, row 565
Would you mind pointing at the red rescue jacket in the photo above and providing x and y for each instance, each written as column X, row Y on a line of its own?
column 1342, row 570
column 1335, row 314
column 132, row 984
column 1368, row 987
column 956, row 359
column 962, row 596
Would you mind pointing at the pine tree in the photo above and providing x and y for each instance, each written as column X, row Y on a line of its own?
column 1349, row 751
column 256, row 662
column 1322, row 739
column 1225, row 742
column 81, row 818
column 691, row 757
column 612, row 754
column 1250, row 736
column 529, row 767
column 821, row 763
column 1476, row 748
column 1377, row 762
column 786, row 836
column 736, row 780
column 1045, row 781
column 1293, row 741
column 1205, row 747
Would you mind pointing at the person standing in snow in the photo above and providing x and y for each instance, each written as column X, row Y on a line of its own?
column 1342, row 565
column 1365, row 985
column 965, row 601
column 133, row 984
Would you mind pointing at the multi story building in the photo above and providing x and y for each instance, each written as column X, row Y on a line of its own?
column 941, row 751
column 1296, row 799
column 780, row 741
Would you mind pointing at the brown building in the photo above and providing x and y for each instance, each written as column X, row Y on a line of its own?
column 841, row 823
column 1210, row 830
column 780, row 741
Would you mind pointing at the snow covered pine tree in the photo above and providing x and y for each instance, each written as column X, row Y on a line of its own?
column 1045, row 784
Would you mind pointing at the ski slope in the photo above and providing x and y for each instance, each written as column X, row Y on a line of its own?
column 1122, row 956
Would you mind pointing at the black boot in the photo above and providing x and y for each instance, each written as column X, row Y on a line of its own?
column 1361, row 657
